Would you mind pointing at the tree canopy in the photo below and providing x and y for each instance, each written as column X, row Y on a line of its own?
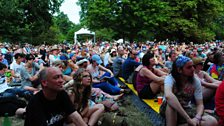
column 26, row 19
column 189, row 20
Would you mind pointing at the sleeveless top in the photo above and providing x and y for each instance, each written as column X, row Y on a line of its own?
column 142, row 81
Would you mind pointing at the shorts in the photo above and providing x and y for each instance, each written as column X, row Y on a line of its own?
column 146, row 93
column 180, row 120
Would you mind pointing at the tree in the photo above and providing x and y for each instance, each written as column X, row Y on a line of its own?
column 26, row 19
column 188, row 20
column 127, row 18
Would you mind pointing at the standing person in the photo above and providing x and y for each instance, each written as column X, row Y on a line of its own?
column 51, row 105
column 54, row 56
column 118, row 61
column 181, row 86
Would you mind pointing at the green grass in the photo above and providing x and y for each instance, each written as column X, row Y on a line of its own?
column 132, row 116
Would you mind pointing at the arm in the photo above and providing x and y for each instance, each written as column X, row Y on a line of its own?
column 210, row 79
column 110, row 60
column 160, row 72
column 67, row 78
column 69, row 84
column 174, row 103
column 105, row 69
column 150, row 75
column 72, row 65
column 76, row 119
column 200, row 108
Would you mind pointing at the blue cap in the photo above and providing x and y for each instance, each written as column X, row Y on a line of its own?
column 97, row 59
column 63, row 57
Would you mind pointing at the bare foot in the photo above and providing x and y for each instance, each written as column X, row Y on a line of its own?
column 117, row 97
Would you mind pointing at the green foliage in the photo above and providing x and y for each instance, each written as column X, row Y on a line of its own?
column 24, row 20
column 188, row 20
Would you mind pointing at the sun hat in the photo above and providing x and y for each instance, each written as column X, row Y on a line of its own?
column 97, row 58
column 81, row 61
column 54, row 48
column 113, row 50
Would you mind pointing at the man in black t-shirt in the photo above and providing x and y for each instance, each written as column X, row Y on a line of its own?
column 52, row 106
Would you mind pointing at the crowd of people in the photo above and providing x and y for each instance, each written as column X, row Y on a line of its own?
column 68, row 84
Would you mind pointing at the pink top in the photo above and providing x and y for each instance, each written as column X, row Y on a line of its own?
column 141, row 81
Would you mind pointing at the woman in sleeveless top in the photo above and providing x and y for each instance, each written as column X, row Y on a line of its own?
column 149, row 80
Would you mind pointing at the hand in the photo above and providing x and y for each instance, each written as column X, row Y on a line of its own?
column 191, row 122
column 197, row 121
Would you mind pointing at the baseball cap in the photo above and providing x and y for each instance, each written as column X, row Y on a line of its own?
column 97, row 59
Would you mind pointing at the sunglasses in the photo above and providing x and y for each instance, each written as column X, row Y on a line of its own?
column 85, row 76
column 31, row 58
column 200, row 64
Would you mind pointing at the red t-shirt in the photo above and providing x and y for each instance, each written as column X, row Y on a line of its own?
column 219, row 103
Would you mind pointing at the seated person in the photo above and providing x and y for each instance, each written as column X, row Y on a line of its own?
column 219, row 103
column 216, row 70
column 149, row 80
column 16, row 67
column 172, row 57
column 129, row 66
column 118, row 61
column 82, row 63
column 180, row 87
column 101, row 78
column 209, row 85
column 61, row 65
column 52, row 105
column 11, row 92
column 29, row 74
column 80, row 95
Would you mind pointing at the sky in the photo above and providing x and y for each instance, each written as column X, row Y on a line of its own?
column 70, row 8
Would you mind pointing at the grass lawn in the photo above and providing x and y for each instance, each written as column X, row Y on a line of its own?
column 131, row 114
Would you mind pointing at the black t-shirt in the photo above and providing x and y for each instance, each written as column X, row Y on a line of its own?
column 43, row 112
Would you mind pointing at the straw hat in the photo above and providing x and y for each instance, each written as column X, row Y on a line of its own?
column 54, row 48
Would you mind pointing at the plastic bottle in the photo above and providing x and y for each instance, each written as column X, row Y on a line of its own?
column 6, row 120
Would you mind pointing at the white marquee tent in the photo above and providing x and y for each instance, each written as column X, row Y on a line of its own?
column 84, row 31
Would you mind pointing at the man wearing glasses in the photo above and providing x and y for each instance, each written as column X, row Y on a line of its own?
column 129, row 66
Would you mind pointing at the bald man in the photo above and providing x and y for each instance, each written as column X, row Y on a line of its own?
column 52, row 106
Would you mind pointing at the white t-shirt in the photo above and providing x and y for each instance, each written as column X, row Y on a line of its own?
column 3, row 84
column 170, row 82
column 106, row 59
column 17, row 69
column 53, row 58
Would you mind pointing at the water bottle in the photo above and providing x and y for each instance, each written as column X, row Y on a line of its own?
column 6, row 120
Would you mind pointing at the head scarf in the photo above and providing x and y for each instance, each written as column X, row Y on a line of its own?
column 182, row 60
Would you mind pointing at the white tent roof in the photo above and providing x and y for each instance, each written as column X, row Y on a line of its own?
column 83, row 31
